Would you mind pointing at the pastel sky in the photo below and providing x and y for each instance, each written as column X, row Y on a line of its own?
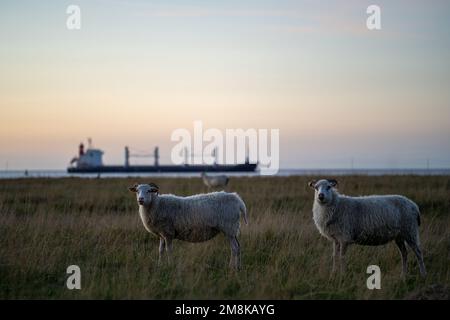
column 137, row 70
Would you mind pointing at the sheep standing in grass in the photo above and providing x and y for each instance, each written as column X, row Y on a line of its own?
column 196, row 218
column 215, row 181
column 369, row 220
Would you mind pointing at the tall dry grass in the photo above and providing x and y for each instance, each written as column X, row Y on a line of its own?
column 48, row 224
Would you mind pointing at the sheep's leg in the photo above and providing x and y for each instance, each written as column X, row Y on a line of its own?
column 235, row 259
column 343, row 246
column 162, row 245
column 336, row 251
column 238, row 255
column 169, row 249
column 232, row 260
column 416, row 249
column 404, row 253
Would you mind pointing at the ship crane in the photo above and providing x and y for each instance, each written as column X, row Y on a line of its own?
column 139, row 154
column 188, row 157
column 214, row 154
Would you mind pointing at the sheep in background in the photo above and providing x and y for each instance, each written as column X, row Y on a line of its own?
column 195, row 218
column 215, row 181
column 368, row 220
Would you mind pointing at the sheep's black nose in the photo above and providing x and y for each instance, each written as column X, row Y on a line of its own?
column 321, row 196
column 141, row 199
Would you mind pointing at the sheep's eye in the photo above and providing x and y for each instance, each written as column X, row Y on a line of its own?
column 328, row 188
column 148, row 191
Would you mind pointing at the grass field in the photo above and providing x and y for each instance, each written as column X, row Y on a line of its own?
column 48, row 224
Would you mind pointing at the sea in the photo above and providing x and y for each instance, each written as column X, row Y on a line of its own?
column 20, row 174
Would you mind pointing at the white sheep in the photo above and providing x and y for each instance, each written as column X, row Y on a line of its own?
column 195, row 218
column 368, row 220
column 215, row 181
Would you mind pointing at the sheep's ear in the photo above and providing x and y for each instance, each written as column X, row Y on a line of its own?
column 312, row 183
column 133, row 188
column 153, row 187
column 333, row 182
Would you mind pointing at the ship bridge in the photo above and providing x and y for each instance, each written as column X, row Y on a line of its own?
column 89, row 159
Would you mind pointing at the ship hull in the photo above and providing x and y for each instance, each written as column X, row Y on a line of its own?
column 247, row 167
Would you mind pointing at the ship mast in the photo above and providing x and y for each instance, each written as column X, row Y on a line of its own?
column 137, row 154
column 127, row 157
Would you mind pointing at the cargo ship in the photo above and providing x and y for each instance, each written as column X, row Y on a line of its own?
column 91, row 161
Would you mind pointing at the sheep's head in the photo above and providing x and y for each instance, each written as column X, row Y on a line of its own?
column 144, row 192
column 324, row 192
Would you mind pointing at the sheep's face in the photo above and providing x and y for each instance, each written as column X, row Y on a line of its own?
column 324, row 193
column 144, row 193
